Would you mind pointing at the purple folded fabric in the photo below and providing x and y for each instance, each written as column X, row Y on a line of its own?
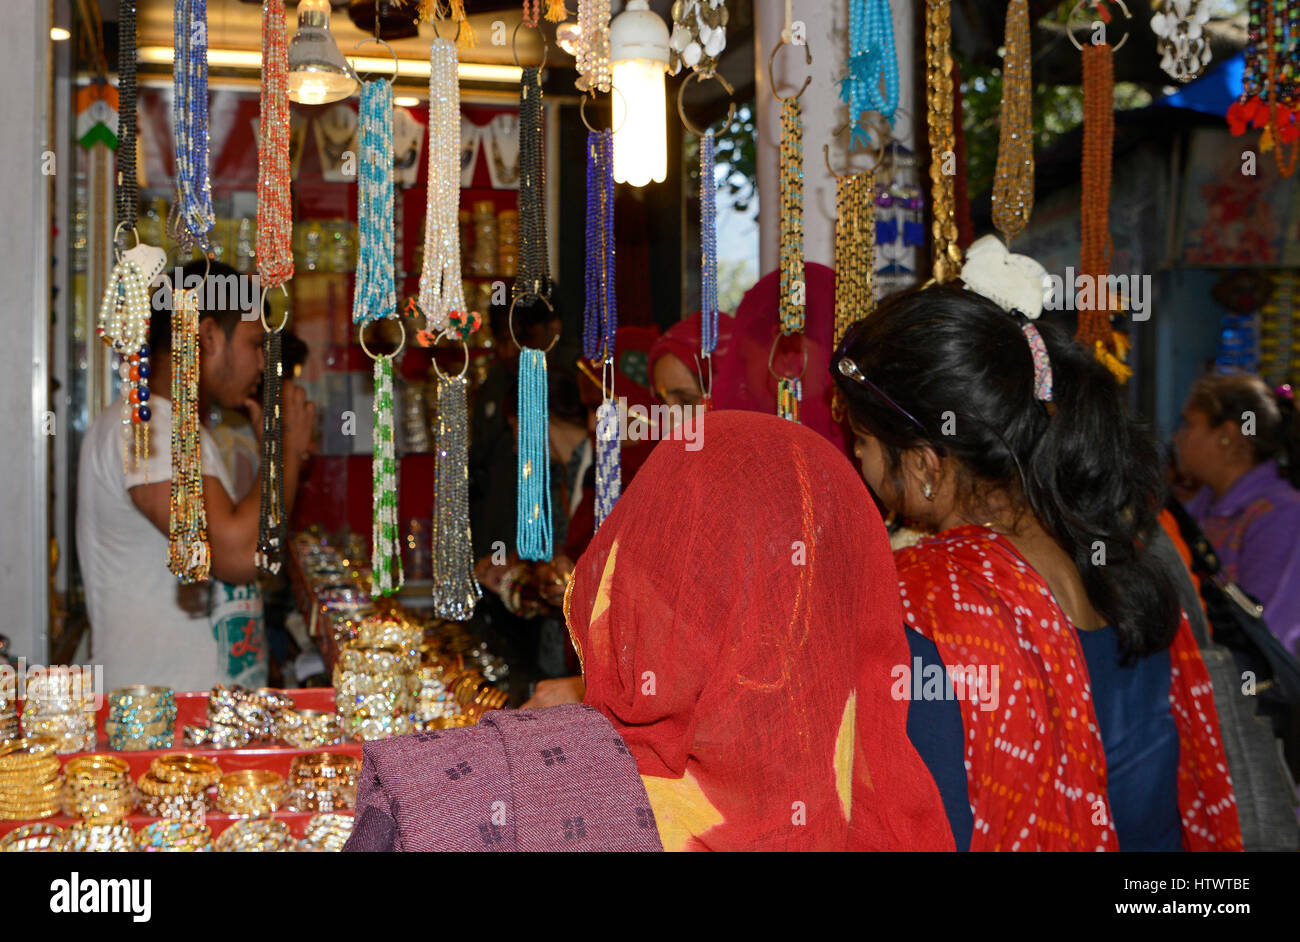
column 558, row 779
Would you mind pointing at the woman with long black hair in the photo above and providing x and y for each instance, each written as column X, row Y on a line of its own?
column 1087, row 721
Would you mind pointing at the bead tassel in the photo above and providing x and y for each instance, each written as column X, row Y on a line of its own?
column 455, row 590
column 533, row 519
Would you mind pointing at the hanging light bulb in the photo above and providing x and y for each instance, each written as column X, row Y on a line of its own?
column 638, row 55
column 318, row 73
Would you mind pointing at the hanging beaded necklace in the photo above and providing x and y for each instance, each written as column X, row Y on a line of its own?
column 533, row 511
column 1013, row 182
column 455, row 590
column 708, row 248
column 790, row 302
column 126, row 122
column 872, row 63
column 275, row 268
column 1094, row 330
column 1270, row 98
column 375, row 299
column 124, row 326
column 441, row 289
column 855, row 258
column 194, row 217
column 188, row 555
column 938, row 67
column 593, row 46
column 600, row 316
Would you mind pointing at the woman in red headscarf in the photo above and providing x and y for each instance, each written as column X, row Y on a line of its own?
column 722, row 633
column 741, row 377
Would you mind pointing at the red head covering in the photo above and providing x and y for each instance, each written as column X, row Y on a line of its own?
column 682, row 340
column 738, row 619
column 1035, row 764
column 742, row 379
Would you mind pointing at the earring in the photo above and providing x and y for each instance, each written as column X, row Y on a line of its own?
column 927, row 491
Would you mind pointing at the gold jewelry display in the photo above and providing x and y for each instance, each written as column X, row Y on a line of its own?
column 30, row 786
column 323, row 781
column 253, row 793
column 327, row 833
column 98, row 789
column 938, row 68
column 31, row 838
column 256, row 835
column 1013, row 181
column 97, row 837
column 175, row 836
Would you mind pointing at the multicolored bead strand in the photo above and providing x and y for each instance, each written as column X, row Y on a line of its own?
column 533, row 519
column 441, row 288
column 124, row 326
column 271, row 524
column 193, row 215
column 609, row 471
column 385, row 547
column 789, row 394
column 455, row 590
column 872, row 62
column 376, row 295
column 188, row 555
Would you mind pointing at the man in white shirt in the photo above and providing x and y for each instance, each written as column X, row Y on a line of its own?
column 147, row 628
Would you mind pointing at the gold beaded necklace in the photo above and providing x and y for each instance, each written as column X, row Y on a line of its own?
column 938, row 67
column 1013, row 182
column 188, row 554
column 855, row 258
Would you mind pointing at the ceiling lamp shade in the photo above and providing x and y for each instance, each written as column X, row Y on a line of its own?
column 318, row 73
column 638, row 55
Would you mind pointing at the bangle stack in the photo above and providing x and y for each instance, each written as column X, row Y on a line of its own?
column 373, row 689
column 250, row 794
column 84, row 837
column 175, row 836
column 98, row 789
column 265, row 835
column 33, row 838
column 326, row 833
column 237, row 717
column 307, row 729
column 176, row 786
column 141, row 718
column 61, row 705
column 323, row 781
column 30, row 786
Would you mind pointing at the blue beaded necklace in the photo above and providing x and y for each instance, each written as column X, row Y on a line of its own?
column 598, row 339
column 871, row 58
column 600, row 316
column 190, row 123
column 533, row 513
column 376, row 293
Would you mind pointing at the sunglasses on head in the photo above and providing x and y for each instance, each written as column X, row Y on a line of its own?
column 850, row 369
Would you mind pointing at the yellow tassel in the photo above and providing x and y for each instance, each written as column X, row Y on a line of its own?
column 555, row 11
column 1121, row 343
column 465, row 33
column 1112, row 363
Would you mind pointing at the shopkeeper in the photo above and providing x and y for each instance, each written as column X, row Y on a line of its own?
column 146, row 626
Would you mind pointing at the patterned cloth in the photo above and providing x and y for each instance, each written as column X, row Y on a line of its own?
column 1036, row 769
column 738, row 622
column 558, row 779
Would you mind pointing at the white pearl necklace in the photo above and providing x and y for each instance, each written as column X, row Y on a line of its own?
column 441, row 290
column 124, row 313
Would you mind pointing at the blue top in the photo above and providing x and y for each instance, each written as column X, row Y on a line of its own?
column 1138, row 734
column 1140, row 737
column 934, row 726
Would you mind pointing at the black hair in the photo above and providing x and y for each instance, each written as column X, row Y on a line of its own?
column 1226, row 397
column 962, row 367
column 227, row 315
